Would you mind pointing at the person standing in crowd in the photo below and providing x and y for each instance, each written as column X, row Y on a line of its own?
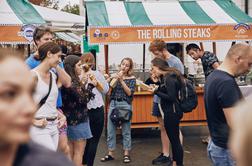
column 17, row 109
column 95, row 107
column 75, row 99
column 45, row 125
column 121, row 97
column 221, row 95
column 209, row 60
column 42, row 35
column 171, row 82
column 159, row 49
column 241, row 134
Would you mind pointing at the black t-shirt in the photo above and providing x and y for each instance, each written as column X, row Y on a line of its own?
column 32, row 154
column 150, row 81
column 208, row 59
column 221, row 91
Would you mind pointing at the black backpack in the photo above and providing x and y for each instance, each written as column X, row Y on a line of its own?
column 188, row 99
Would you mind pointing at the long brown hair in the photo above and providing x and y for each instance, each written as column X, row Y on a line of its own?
column 130, row 71
column 164, row 66
column 69, row 65
column 48, row 47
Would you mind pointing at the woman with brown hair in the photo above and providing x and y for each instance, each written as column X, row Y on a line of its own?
column 168, row 91
column 121, row 97
column 75, row 99
column 95, row 106
column 17, row 109
column 45, row 125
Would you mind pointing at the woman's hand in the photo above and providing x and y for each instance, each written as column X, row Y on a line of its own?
column 154, row 78
column 93, row 80
column 152, row 88
column 120, row 76
column 40, row 123
column 61, row 120
column 84, row 77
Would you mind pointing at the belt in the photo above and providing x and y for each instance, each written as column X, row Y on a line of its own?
column 47, row 118
column 118, row 99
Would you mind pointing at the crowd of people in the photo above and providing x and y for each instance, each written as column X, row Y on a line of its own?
column 59, row 105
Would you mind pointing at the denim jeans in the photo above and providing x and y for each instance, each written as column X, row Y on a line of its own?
column 219, row 156
column 126, row 127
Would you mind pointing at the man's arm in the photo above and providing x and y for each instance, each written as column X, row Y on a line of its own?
column 63, row 77
column 229, row 113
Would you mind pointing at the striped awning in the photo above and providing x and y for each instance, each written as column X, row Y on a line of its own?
column 173, row 13
column 18, row 12
column 15, row 14
column 69, row 36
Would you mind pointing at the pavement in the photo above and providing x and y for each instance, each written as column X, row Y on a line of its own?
column 146, row 146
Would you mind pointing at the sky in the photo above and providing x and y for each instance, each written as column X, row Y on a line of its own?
column 62, row 3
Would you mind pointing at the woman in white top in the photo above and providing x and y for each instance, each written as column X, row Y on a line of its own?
column 95, row 107
column 45, row 124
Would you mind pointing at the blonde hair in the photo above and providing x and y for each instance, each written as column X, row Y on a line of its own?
column 130, row 71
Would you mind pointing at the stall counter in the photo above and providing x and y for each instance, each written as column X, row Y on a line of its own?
column 142, row 111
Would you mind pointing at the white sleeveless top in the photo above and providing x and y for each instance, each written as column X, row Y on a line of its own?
column 48, row 109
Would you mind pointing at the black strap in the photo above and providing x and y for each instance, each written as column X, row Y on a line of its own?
column 42, row 101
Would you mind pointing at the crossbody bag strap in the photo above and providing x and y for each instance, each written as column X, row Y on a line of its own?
column 42, row 101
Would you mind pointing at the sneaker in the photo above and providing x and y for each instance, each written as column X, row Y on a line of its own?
column 161, row 160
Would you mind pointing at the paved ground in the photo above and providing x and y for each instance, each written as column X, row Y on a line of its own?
column 146, row 146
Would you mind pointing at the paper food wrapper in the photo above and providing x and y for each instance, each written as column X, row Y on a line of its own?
column 144, row 86
column 113, row 82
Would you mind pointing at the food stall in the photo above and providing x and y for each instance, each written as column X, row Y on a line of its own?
column 19, row 18
column 173, row 21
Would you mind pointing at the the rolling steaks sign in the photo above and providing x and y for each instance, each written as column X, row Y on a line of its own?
column 180, row 33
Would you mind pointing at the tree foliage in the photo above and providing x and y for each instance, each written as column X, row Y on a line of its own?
column 54, row 4
column 74, row 9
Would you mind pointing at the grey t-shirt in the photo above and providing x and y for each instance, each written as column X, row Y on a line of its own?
column 32, row 154
column 175, row 62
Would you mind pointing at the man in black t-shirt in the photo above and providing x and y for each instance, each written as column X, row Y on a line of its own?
column 208, row 59
column 221, row 95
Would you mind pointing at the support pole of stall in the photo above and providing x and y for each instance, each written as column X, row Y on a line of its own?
column 144, row 57
column 214, row 48
column 106, row 50
column 247, row 6
column 106, row 59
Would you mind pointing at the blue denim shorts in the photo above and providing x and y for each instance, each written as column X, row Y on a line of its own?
column 79, row 132
column 219, row 156
column 155, row 110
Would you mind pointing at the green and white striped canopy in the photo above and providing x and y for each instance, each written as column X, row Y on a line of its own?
column 21, row 12
column 172, row 12
column 15, row 15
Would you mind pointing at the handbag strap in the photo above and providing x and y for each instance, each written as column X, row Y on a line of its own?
column 42, row 101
